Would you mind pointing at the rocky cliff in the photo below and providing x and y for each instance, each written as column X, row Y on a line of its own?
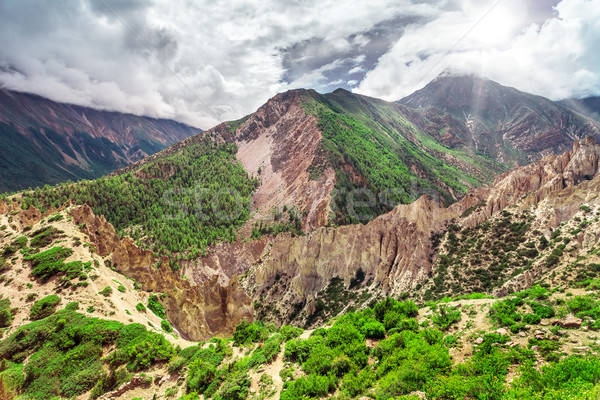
column 394, row 252
column 198, row 311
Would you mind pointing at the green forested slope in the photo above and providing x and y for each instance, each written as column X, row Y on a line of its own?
column 180, row 203
column 372, row 144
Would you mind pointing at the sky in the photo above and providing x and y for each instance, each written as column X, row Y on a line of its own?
column 204, row 62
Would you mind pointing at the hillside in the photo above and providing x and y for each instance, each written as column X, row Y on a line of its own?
column 504, row 123
column 492, row 295
column 45, row 142
column 589, row 106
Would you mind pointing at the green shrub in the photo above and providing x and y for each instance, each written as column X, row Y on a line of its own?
column 107, row 291
column 44, row 307
column 531, row 319
column 140, row 307
column 166, row 326
column 254, row 332
column 373, row 329
column 541, row 310
column 51, row 262
column 55, row 217
column 121, row 288
column 72, row 306
column 445, row 317
column 311, row 386
column 155, row 306
column 6, row 316
column 504, row 313
column 44, row 237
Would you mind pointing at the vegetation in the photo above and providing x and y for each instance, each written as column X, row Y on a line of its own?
column 50, row 263
column 179, row 203
column 155, row 306
column 6, row 313
column 44, row 307
column 65, row 355
column 371, row 142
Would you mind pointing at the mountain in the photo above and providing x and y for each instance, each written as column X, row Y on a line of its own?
column 315, row 153
column 45, row 142
column 504, row 123
column 267, row 197
column 478, row 281
column 589, row 106
column 77, row 324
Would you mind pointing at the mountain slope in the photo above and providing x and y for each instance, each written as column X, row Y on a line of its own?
column 589, row 106
column 508, row 125
column 44, row 142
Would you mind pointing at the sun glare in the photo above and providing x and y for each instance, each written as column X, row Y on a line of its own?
column 498, row 26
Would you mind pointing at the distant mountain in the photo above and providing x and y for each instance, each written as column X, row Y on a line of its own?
column 44, row 142
column 589, row 106
column 502, row 122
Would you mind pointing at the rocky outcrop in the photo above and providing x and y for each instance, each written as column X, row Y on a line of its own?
column 279, row 142
column 198, row 311
column 394, row 250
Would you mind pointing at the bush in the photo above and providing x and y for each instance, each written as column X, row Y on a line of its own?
column 44, row 307
column 155, row 306
column 541, row 310
column 445, row 317
column 247, row 332
column 373, row 329
column 107, row 291
column 140, row 307
column 504, row 313
column 121, row 288
column 72, row 306
column 531, row 319
column 311, row 386
column 51, row 262
column 6, row 316
column 166, row 326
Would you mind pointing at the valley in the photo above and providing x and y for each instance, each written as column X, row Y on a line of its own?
column 327, row 245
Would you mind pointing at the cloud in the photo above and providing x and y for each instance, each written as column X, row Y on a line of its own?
column 558, row 59
column 202, row 62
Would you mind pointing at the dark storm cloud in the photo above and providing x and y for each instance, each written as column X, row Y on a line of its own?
column 349, row 63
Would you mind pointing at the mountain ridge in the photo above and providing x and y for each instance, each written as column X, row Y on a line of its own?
column 48, row 142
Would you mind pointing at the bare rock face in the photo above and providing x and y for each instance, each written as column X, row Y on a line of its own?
column 278, row 143
column 570, row 321
column 198, row 311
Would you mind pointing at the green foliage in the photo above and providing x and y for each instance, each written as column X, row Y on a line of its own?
column 106, row 292
column 51, row 262
column 247, row 332
column 373, row 329
column 140, row 307
column 72, row 306
column 121, row 288
column 178, row 199
column 155, row 306
column 166, row 326
column 558, row 380
column 44, row 236
column 55, row 217
column 504, row 313
column 541, row 310
column 44, row 307
column 445, row 317
column 65, row 354
column 6, row 316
